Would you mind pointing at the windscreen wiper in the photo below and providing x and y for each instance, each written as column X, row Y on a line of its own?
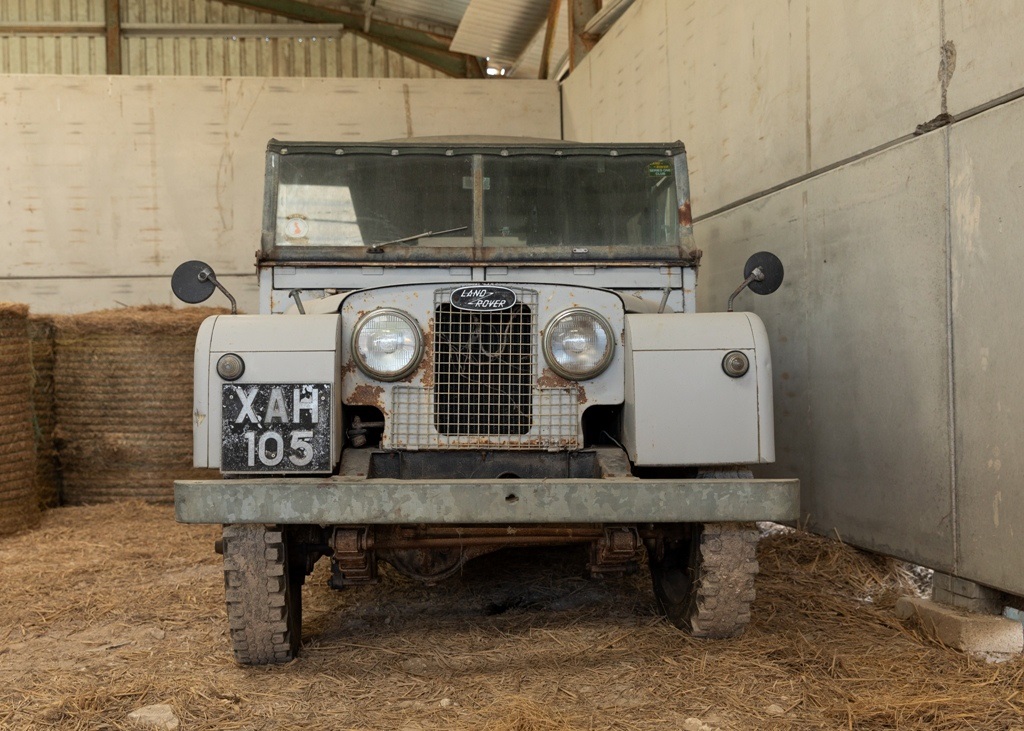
column 378, row 248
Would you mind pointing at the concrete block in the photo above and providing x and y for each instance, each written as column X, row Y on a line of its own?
column 965, row 594
column 982, row 605
column 978, row 634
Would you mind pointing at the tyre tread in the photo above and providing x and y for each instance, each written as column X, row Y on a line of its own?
column 257, row 595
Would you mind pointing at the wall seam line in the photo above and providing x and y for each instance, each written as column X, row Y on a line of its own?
column 954, row 515
column 954, row 120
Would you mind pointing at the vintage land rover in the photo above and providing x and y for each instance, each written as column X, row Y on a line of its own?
column 466, row 344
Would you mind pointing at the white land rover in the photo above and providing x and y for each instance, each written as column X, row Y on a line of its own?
column 473, row 343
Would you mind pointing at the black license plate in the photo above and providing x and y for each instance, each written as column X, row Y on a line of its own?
column 276, row 427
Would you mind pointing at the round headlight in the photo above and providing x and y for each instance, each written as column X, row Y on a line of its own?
column 387, row 344
column 230, row 367
column 578, row 344
column 735, row 364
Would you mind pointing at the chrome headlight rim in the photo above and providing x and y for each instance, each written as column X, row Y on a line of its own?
column 417, row 356
column 597, row 370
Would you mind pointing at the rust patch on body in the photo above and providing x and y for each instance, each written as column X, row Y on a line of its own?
column 427, row 366
column 550, row 379
column 366, row 395
column 685, row 216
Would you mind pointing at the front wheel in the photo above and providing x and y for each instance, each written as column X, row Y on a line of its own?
column 703, row 575
column 263, row 590
column 705, row 583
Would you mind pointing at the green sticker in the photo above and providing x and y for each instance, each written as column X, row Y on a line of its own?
column 659, row 169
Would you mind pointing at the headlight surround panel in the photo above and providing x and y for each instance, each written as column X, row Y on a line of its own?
column 387, row 344
column 579, row 344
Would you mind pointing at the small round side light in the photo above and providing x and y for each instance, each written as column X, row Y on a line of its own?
column 735, row 364
column 230, row 367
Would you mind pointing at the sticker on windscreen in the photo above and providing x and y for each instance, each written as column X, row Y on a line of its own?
column 659, row 169
column 296, row 227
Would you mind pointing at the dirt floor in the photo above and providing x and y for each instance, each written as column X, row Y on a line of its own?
column 107, row 609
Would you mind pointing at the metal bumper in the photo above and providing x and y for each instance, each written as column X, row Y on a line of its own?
column 344, row 500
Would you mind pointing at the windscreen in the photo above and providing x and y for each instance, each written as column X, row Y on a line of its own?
column 530, row 205
column 363, row 200
column 579, row 202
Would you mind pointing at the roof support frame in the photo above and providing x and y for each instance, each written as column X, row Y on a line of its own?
column 112, row 9
column 580, row 13
column 549, row 39
column 427, row 48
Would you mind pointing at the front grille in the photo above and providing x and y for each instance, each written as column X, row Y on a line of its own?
column 483, row 370
column 482, row 390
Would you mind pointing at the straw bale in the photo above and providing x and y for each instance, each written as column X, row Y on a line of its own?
column 19, row 507
column 40, row 329
column 123, row 384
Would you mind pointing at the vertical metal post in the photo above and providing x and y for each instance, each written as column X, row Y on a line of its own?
column 478, row 202
column 113, row 20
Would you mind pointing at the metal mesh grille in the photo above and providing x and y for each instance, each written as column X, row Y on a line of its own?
column 483, row 370
column 484, row 391
column 555, row 424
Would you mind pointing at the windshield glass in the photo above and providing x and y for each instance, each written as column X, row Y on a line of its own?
column 579, row 202
column 419, row 206
column 360, row 201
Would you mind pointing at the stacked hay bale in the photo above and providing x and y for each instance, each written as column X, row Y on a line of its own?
column 40, row 330
column 19, row 506
column 123, row 384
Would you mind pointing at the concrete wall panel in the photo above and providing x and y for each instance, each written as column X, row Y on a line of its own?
column 738, row 90
column 874, row 73
column 859, row 339
column 633, row 93
column 987, row 187
column 989, row 63
column 109, row 176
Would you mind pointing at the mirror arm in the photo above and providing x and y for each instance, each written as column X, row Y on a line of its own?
column 755, row 276
column 208, row 275
column 294, row 294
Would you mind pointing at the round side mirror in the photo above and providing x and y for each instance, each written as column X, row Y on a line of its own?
column 191, row 282
column 771, row 269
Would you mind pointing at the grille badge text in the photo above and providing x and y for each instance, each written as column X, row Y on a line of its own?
column 479, row 298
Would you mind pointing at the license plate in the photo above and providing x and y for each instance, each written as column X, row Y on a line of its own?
column 276, row 427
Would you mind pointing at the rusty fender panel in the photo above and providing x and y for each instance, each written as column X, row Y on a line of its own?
column 379, row 501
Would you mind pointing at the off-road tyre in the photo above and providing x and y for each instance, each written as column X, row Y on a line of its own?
column 264, row 599
column 705, row 583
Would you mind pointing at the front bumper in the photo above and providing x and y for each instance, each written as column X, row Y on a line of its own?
column 349, row 500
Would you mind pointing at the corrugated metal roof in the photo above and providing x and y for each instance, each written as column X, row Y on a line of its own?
column 499, row 29
column 528, row 64
column 444, row 12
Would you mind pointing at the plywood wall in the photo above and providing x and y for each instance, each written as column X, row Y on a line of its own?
column 110, row 182
column 878, row 148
